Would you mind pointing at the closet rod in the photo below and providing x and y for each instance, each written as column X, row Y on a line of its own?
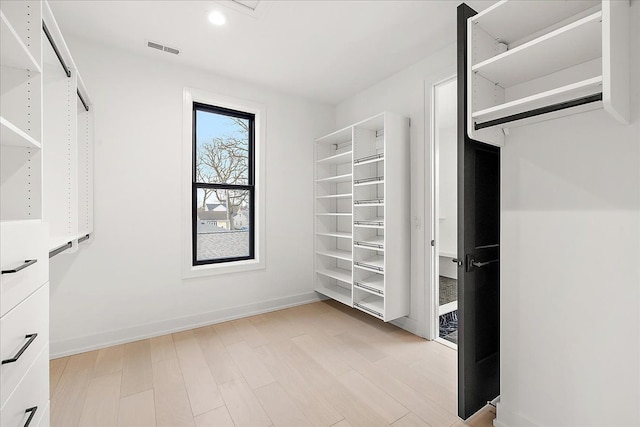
column 86, row 107
column 61, row 249
column 83, row 238
column 538, row 111
column 55, row 49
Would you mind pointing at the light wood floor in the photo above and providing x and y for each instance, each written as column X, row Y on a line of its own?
column 320, row 364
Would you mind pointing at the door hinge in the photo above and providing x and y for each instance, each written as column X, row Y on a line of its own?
column 433, row 243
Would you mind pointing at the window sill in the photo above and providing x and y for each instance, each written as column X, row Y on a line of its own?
column 196, row 271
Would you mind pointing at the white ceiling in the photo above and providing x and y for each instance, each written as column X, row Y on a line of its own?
column 323, row 50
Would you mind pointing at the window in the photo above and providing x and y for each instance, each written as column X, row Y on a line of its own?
column 223, row 185
column 236, row 210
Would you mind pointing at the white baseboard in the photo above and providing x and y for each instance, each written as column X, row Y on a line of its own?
column 106, row 339
column 408, row 324
column 507, row 418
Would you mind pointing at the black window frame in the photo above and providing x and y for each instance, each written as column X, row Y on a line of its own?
column 195, row 185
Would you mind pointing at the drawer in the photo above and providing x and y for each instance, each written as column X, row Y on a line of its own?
column 32, row 392
column 29, row 317
column 45, row 420
column 21, row 241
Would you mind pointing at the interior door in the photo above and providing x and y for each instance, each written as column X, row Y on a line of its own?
column 478, row 254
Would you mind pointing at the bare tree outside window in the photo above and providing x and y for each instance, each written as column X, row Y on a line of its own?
column 223, row 185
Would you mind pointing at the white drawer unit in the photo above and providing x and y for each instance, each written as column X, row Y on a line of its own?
column 25, row 332
column 45, row 420
column 24, row 260
column 29, row 401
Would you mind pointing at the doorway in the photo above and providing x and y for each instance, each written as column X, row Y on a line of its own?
column 444, row 158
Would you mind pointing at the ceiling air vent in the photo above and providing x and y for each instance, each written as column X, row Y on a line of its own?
column 163, row 48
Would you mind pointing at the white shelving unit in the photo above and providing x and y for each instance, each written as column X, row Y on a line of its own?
column 535, row 61
column 68, row 148
column 360, row 170
column 24, row 261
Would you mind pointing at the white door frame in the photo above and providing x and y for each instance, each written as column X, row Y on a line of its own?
column 432, row 299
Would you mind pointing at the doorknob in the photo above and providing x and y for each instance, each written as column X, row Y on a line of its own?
column 457, row 261
column 482, row 264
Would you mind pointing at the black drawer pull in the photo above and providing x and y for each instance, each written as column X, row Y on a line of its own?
column 24, row 347
column 26, row 264
column 32, row 412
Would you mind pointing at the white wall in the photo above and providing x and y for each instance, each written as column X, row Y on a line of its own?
column 448, row 191
column 126, row 283
column 403, row 93
column 570, row 321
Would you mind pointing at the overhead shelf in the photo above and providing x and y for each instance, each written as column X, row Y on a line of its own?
column 13, row 52
column 564, row 93
column 498, row 19
column 14, row 136
column 572, row 44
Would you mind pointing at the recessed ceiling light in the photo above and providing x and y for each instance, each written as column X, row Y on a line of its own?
column 217, row 18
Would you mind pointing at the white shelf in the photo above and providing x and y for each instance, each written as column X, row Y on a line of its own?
column 359, row 162
column 498, row 19
column 572, row 44
column 369, row 223
column 377, row 243
column 362, row 184
column 338, row 254
column 373, row 305
column 374, row 264
column 336, row 273
column 13, row 52
column 339, row 234
column 564, row 93
column 334, row 214
column 337, row 178
column 336, row 159
column 335, row 196
column 337, row 293
column 14, row 136
column 360, row 205
column 373, row 284
column 57, row 241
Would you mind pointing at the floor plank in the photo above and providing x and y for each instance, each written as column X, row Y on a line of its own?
column 102, row 402
column 171, row 401
column 411, row 420
column 243, row 406
column 137, row 410
column 250, row 365
column 219, row 417
column 137, row 374
column 56, row 367
column 162, row 348
column 109, row 360
column 280, row 407
column 379, row 401
column 71, row 390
